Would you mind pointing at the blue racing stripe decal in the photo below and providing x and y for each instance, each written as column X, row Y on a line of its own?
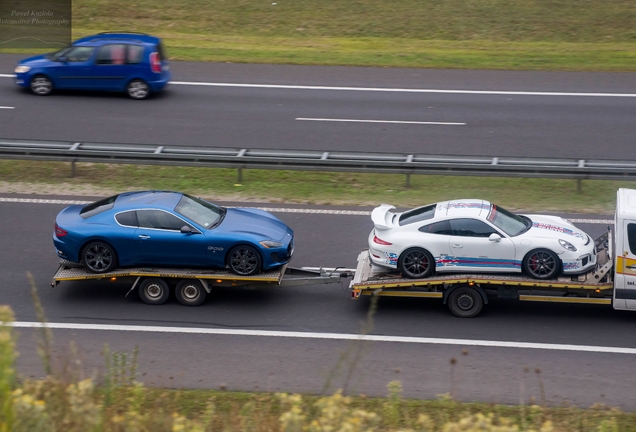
column 449, row 261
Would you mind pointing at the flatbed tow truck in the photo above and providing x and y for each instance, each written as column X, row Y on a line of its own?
column 613, row 282
column 191, row 286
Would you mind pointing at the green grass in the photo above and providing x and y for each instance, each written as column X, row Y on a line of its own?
column 310, row 187
column 595, row 35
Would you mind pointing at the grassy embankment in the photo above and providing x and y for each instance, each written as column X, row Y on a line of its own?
column 68, row 401
column 479, row 34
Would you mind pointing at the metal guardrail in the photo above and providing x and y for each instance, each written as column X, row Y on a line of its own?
column 317, row 160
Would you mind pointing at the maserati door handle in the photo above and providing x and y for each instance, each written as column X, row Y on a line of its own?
column 141, row 236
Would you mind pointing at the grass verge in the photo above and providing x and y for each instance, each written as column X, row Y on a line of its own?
column 478, row 34
column 354, row 189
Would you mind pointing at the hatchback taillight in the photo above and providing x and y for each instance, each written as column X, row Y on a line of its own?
column 59, row 231
column 155, row 62
column 380, row 241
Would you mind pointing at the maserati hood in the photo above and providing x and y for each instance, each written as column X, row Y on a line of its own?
column 254, row 222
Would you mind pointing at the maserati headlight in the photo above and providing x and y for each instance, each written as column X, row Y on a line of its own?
column 270, row 244
column 567, row 245
column 22, row 69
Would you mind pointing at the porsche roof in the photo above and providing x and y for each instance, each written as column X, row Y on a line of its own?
column 463, row 207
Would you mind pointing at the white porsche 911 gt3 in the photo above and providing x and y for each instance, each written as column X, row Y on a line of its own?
column 476, row 236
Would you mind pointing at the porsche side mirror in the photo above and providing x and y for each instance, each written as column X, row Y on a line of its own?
column 186, row 229
column 494, row 237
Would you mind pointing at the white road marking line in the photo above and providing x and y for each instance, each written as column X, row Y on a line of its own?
column 269, row 209
column 329, row 336
column 6, row 107
column 395, row 90
column 380, row 121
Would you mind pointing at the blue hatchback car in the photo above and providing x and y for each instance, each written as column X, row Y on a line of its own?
column 134, row 63
column 171, row 229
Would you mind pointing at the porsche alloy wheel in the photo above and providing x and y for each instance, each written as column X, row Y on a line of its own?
column 244, row 260
column 99, row 257
column 416, row 263
column 542, row 264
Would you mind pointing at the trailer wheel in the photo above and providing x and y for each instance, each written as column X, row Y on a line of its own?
column 190, row 292
column 154, row 291
column 465, row 302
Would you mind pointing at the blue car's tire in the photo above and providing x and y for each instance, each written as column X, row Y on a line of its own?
column 190, row 292
column 41, row 85
column 244, row 260
column 416, row 263
column 99, row 257
column 154, row 291
column 138, row 89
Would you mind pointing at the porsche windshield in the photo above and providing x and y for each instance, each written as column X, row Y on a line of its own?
column 508, row 222
column 201, row 212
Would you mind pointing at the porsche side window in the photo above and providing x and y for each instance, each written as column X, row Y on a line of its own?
column 128, row 219
column 442, row 228
column 471, row 228
column 418, row 215
column 631, row 237
column 158, row 219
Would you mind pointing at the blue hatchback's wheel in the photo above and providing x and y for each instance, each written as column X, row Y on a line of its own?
column 137, row 89
column 41, row 85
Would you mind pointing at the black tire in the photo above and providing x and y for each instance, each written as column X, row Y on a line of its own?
column 416, row 263
column 244, row 260
column 41, row 85
column 154, row 291
column 465, row 302
column 99, row 257
column 190, row 292
column 138, row 89
column 542, row 264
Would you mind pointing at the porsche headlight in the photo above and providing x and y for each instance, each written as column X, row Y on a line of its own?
column 270, row 244
column 567, row 245
column 22, row 69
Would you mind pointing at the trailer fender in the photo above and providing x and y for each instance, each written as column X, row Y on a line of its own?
column 452, row 288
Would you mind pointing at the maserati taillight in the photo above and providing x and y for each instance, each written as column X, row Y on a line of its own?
column 59, row 231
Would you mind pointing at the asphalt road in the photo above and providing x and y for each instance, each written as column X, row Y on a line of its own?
column 530, row 124
column 493, row 374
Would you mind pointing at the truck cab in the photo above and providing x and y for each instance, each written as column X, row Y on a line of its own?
column 625, row 247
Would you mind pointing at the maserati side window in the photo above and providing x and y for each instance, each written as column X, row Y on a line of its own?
column 158, row 219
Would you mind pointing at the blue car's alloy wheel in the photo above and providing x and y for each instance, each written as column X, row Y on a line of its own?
column 137, row 89
column 99, row 257
column 41, row 85
column 244, row 261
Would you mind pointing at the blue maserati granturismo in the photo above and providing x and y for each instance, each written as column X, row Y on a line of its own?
column 171, row 229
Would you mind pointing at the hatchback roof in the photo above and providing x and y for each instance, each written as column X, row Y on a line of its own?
column 120, row 36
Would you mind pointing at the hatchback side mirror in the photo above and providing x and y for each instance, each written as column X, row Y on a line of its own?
column 62, row 59
column 186, row 229
column 494, row 237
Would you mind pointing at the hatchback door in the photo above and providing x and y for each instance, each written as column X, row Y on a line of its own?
column 73, row 70
column 111, row 68
column 161, row 241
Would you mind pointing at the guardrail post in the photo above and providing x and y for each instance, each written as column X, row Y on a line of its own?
column 240, row 175
column 579, row 185
column 73, row 168
column 408, row 180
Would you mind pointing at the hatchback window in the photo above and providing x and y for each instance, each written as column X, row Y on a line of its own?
column 112, row 54
column 162, row 51
column 98, row 207
column 442, row 228
column 417, row 215
column 471, row 228
column 158, row 219
column 135, row 54
column 79, row 54
column 128, row 218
